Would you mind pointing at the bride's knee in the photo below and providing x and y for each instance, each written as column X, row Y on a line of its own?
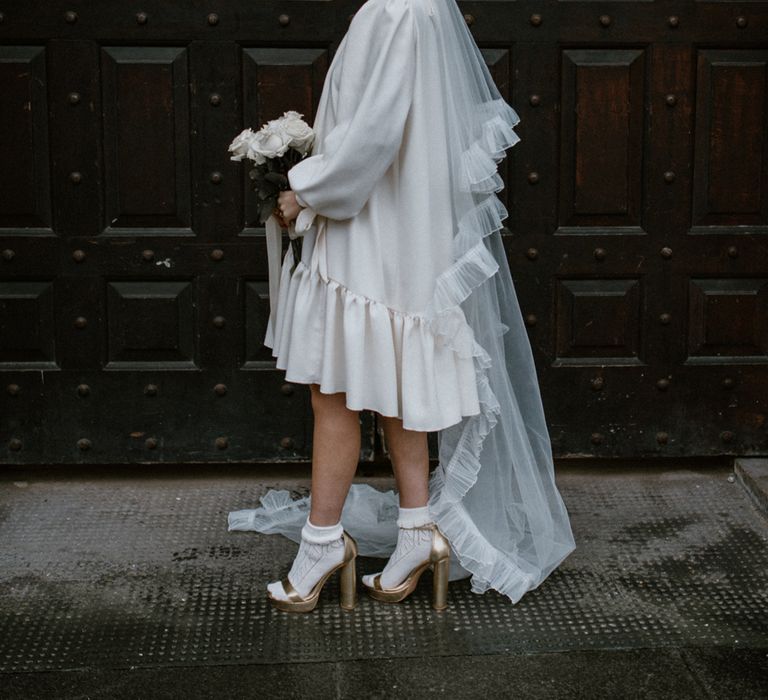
column 322, row 401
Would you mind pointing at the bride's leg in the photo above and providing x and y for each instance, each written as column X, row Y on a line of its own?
column 409, row 453
column 335, row 454
column 410, row 462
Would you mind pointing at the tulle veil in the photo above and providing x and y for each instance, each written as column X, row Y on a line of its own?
column 493, row 493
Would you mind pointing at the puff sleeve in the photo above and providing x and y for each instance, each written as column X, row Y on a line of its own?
column 375, row 90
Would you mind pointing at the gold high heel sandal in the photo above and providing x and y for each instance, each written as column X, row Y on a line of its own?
column 438, row 561
column 347, row 584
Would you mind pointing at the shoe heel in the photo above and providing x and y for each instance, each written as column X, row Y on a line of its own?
column 348, row 576
column 440, row 584
column 348, row 586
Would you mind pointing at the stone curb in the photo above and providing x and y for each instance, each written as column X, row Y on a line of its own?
column 752, row 474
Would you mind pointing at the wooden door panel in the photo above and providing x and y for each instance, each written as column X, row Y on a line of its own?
column 27, row 324
column 728, row 321
column 146, row 140
column 25, row 177
column 151, row 325
column 601, row 175
column 599, row 320
column 730, row 183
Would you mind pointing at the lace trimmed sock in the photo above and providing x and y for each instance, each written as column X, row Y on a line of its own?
column 413, row 547
column 321, row 549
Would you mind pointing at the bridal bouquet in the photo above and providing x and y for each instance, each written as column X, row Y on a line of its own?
column 274, row 150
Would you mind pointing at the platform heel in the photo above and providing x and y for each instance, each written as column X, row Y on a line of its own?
column 440, row 584
column 347, row 586
column 440, row 557
column 438, row 561
column 348, row 582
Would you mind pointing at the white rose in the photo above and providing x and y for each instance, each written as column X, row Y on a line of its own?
column 300, row 133
column 240, row 144
column 270, row 141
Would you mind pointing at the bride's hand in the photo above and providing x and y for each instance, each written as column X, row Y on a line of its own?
column 287, row 207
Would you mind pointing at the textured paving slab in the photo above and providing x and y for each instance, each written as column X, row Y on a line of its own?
column 134, row 572
column 645, row 674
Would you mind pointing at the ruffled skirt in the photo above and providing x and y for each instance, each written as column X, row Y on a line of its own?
column 385, row 360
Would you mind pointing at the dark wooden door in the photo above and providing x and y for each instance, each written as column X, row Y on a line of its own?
column 133, row 288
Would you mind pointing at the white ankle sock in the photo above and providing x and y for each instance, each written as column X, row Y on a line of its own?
column 321, row 549
column 412, row 548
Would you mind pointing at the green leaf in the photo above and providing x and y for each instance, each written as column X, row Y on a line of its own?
column 278, row 179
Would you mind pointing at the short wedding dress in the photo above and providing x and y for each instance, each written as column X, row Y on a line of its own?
column 403, row 296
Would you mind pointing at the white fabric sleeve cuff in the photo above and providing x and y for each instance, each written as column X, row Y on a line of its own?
column 304, row 220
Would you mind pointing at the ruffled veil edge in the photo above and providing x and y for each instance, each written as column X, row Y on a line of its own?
column 493, row 493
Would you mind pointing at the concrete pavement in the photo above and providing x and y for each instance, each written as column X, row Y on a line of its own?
column 126, row 583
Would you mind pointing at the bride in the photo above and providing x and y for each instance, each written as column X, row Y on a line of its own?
column 403, row 304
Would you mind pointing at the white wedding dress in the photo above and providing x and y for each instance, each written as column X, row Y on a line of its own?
column 403, row 297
